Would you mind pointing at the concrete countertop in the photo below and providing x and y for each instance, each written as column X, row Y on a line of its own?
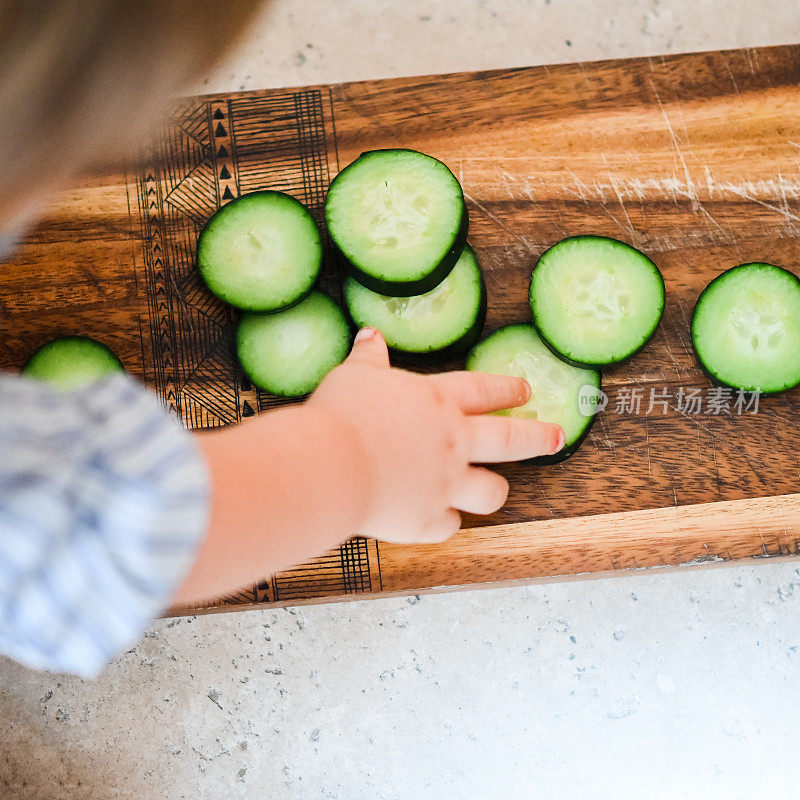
column 653, row 686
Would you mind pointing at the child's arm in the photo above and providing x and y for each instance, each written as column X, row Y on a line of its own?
column 283, row 489
column 376, row 451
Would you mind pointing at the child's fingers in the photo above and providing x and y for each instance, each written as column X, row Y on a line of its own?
column 443, row 528
column 370, row 348
column 481, row 491
column 479, row 392
column 495, row 439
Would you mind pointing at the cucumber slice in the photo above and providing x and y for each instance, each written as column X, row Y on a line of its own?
column 397, row 220
column 290, row 352
column 596, row 301
column 261, row 252
column 72, row 361
column 746, row 328
column 437, row 325
column 561, row 393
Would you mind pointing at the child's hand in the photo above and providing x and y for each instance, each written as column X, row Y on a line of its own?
column 419, row 435
column 375, row 450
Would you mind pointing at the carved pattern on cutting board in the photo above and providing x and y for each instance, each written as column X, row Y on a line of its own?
column 208, row 154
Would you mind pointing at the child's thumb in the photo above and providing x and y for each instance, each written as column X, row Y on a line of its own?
column 369, row 347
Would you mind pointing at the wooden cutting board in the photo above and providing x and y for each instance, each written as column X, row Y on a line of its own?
column 695, row 159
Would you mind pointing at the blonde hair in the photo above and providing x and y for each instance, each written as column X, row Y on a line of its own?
column 81, row 80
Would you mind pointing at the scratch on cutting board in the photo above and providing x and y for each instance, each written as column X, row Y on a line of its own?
column 681, row 331
column 647, row 437
column 604, row 426
column 530, row 245
column 784, row 212
column 780, row 189
column 625, row 229
column 750, row 63
column 581, row 187
column 675, row 142
column 716, row 465
column 561, row 225
column 600, row 188
column 508, row 181
column 778, row 194
column 672, row 357
column 768, row 187
column 691, row 188
column 631, row 231
column 677, row 189
column 691, row 418
column 791, row 418
column 783, row 193
column 707, row 214
column 784, row 529
column 745, row 455
column 791, row 421
column 733, row 77
column 687, row 143
column 495, row 159
column 635, row 188
column 93, row 279
column 371, row 121
column 546, row 502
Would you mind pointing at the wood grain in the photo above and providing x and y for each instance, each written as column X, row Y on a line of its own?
column 679, row 537
column 695, row 159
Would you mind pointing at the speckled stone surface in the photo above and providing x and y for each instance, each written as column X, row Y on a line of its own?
column 658, row 686
column 319, row 41
column 651, row 686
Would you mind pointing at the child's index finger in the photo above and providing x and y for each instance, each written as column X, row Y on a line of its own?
column 500, row 439
column 481, row 393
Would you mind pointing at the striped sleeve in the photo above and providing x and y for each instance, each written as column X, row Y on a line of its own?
column 103, row 503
